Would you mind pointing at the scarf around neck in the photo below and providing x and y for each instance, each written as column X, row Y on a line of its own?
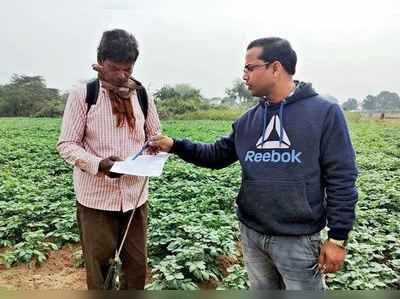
column 120, row 96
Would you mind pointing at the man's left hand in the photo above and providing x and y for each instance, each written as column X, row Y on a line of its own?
column 331, row 258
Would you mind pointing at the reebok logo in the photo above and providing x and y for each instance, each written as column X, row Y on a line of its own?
column 270, row 140
column 274, row 157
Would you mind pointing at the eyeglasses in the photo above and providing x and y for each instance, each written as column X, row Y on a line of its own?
column 251, row 67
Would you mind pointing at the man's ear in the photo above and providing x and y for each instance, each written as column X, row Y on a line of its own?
column 276, row 68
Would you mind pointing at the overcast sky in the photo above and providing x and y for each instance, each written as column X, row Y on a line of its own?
column 347, row 48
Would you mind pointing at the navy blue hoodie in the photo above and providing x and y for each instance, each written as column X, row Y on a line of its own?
column 298, row 165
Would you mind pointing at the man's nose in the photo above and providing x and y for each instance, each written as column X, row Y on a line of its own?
column 122, row 75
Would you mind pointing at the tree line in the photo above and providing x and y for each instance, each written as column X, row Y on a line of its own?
column 29, row 96
column 384, row 101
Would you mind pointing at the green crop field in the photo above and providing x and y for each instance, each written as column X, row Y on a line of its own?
column 193, row 230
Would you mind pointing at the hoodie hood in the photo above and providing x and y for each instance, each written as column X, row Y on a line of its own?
column 302, row 91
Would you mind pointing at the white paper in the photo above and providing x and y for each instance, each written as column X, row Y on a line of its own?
column 143, row 165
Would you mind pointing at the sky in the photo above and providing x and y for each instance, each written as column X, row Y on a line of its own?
column 346, row 48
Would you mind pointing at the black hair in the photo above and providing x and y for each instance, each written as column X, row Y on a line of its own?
column 118, row 45
column 276, row 49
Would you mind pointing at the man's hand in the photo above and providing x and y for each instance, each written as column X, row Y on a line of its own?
column 160, row 143
column 331, row 258
column 106, row 164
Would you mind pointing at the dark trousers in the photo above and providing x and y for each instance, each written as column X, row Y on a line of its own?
column 101, row 233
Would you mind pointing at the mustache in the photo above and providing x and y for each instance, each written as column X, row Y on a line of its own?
column 117, row 81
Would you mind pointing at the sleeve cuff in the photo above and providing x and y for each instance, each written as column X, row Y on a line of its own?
column 91, row 166
column 177, row 147
column 338, row 234
column 94, row 165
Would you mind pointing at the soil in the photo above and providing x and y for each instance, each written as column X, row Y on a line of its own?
column 58, row 273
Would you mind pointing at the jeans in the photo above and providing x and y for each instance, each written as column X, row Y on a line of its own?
column 282, row 262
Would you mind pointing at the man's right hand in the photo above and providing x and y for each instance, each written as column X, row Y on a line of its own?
column 106, row 164
column 160, row 143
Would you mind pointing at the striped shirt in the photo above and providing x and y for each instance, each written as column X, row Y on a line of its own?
column 87, row 139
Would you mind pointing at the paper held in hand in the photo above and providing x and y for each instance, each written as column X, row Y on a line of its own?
column 143, row 165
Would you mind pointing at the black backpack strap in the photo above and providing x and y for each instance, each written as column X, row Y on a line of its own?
column 92, row 92
column 142, row 98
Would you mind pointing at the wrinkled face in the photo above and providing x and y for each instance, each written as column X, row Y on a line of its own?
column 116, row 72
column 258, row 74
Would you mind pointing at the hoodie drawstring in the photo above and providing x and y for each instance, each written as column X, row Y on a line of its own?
column 265, row 107
column 281, row 126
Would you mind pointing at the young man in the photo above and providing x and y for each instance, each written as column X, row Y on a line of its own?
column 92, row 138
column 298, row 173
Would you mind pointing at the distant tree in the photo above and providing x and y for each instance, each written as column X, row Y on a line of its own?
column 186, row 91
column 388, row 100
column 239, row 92
column 29, row 96
column 165, row 92
column 384, row 101
column 179, row 99
column 180, row 91
column 350, row 104
column 370, row 103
